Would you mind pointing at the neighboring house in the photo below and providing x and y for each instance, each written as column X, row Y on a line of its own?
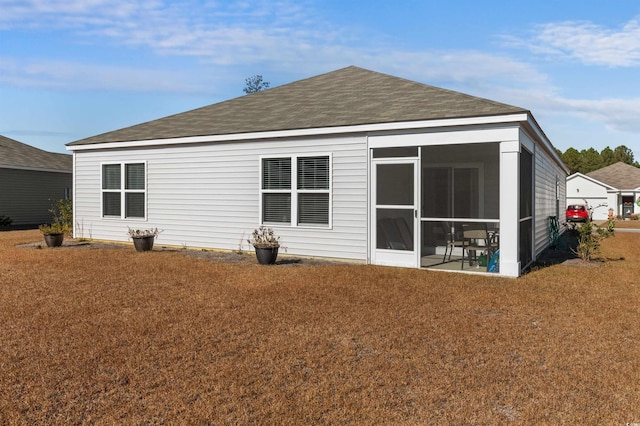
column 352, row 164
column 30, row 179
column 615, row 187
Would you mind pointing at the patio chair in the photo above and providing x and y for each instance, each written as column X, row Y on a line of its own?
column 475, row 238
column 451, row 241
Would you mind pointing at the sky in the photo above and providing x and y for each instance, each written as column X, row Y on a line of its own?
column 71, row 69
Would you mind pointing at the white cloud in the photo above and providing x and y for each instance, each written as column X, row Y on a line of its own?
column 587, row 42
column 286, row 35
column 49, row 74
column 280, row 36
column 615, row 114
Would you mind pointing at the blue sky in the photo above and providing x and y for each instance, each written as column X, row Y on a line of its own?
column 70, row 69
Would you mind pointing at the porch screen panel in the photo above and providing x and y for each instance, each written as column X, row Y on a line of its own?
column 394, row 229
column 526, row 208
column 394, row 222
column 466, row 188
column 436, row 184
column 397, row 152
column 526, row 184
column 461, row 181
column 395, row 184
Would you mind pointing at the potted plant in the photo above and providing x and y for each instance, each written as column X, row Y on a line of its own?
column 54, row 233
column 143, row 238
column 266, row 245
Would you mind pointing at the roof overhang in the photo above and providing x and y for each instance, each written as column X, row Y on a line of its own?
column 532, row 125
column 524, row 118
column 33, row 169
column 362, row 128
column 590, row 179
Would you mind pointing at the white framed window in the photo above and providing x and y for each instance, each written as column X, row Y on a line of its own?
column 296, row 190
column 124, row 190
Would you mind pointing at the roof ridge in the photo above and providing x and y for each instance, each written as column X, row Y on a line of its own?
column 348, row 96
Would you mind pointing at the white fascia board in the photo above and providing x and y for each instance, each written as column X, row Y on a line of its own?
column 33, row 169
column 596, row 181
column 576, row 175
column 408, row 125
column 546, row 143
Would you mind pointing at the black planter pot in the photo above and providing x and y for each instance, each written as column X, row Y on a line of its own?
column 143, row 243
column 54, row 240
column 267, row 255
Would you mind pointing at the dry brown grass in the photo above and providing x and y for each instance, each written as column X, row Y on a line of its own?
column 628, row 224
column 118, row 337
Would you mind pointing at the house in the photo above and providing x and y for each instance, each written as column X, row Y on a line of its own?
column 615, row 187
column 351, row 164
column 30, row 179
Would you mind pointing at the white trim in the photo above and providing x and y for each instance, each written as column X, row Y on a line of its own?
column 294, row 191
column 546, row 143
column 390, row 257
column 457, row 136
column 596, row 181
column 317, row 131
column 73, row 192
column 124, row 191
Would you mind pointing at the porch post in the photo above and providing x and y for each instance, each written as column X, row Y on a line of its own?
column 509, row 208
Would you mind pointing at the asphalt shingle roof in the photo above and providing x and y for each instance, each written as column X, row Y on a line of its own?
column 18, row 154
column 618, row 175
column 346, row 97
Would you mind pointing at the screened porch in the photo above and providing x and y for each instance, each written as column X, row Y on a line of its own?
column 460, row 207
column 439, row 206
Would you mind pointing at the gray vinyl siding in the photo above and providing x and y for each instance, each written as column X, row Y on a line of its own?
column 546, row 172
column 207, row 195
column 26, row 195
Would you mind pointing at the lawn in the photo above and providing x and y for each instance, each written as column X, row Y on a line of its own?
column 112, row 336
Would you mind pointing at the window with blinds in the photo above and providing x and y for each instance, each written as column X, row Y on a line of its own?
column 313, row 190
column 124, row 190
column 296, row 190
column 111, row 196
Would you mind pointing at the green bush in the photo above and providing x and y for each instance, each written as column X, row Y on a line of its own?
column 62, row 217
column 590, row 237
column 54, row 228
column 5, row 220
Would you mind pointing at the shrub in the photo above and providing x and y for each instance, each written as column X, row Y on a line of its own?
column 143, row 233
column 62, row 213
column 589, row 241
column 634, row 216
column 264, row 237
column 54, row 228
column 5, row 220
column 62, row 218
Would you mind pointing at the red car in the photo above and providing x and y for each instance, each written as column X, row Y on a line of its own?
column 577, row 213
